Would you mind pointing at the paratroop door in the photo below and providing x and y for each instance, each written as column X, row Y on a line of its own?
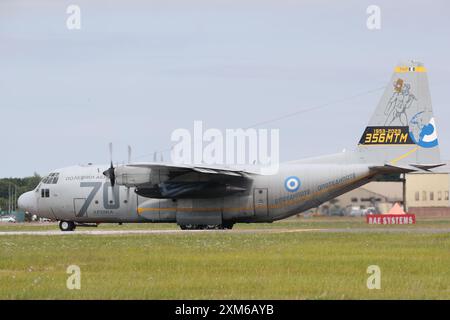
column 260, row 202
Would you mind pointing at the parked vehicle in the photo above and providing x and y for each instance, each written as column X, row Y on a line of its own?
column 356, row 212
column 8, row 219
column 370, row 210
column 336, row 211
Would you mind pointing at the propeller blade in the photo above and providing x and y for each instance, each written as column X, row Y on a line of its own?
column 112, row 175
column 110, row 172
column 129, row 154
column 110, row 152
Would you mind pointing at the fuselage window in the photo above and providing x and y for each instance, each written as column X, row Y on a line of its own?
column 45, row 193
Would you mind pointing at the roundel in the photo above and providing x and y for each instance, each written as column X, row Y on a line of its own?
column 292, row 184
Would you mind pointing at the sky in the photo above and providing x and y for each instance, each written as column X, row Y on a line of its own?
column 138, row 70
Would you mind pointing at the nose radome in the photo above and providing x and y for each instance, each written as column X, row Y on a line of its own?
column 27, row 202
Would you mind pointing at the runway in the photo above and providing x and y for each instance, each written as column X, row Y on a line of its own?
column 236, row 231
column 145, row 232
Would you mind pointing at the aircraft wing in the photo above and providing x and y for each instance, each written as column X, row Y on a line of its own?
column 158, row 180
column 192, row 168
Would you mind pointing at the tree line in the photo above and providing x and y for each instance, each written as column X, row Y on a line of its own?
column 22, row 185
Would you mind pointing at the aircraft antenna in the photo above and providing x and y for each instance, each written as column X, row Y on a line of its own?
column 295, row 113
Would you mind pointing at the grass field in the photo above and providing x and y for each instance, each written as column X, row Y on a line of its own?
column 228, row 265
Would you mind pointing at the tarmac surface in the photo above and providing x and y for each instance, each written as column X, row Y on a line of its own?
column 237, row 231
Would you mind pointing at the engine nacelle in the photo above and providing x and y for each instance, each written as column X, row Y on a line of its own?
column 133, row 176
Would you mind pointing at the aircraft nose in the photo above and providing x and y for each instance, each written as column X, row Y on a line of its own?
column 27, row 202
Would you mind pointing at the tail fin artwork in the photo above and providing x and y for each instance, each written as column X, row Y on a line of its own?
column 402, row 131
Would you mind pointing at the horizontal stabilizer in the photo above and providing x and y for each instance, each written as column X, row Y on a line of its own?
column 427, row 167
column 388, row 168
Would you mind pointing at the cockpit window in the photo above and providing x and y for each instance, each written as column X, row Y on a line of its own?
column 52, row 178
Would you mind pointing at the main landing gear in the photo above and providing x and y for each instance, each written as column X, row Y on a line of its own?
column 207, row 226
column 67, row 225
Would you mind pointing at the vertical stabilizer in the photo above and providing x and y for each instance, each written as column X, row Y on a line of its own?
column 402, row 131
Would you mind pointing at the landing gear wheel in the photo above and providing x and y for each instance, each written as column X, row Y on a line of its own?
column 206, row 226
column 227, row 225
column 193, row 227
column 187, row 227
column 67, row 225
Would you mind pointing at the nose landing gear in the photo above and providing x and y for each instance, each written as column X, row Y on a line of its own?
column 67, row 225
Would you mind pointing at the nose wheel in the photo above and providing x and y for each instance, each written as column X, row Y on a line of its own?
column 67, row 225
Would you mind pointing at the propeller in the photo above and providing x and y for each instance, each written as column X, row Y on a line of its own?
column 110, row 173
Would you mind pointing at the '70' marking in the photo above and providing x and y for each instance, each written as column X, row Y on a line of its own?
column 115, row 204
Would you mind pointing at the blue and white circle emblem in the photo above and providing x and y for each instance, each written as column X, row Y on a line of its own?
column 292, row 184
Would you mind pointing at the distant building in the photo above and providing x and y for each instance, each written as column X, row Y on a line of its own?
column 378, row 195
column 427, row 194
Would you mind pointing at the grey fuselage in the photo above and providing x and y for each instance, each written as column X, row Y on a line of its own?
column 83, row 194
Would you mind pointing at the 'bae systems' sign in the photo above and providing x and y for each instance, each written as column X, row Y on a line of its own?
column 391, row 219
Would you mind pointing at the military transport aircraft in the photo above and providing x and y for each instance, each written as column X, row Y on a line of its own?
column 401, row 137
